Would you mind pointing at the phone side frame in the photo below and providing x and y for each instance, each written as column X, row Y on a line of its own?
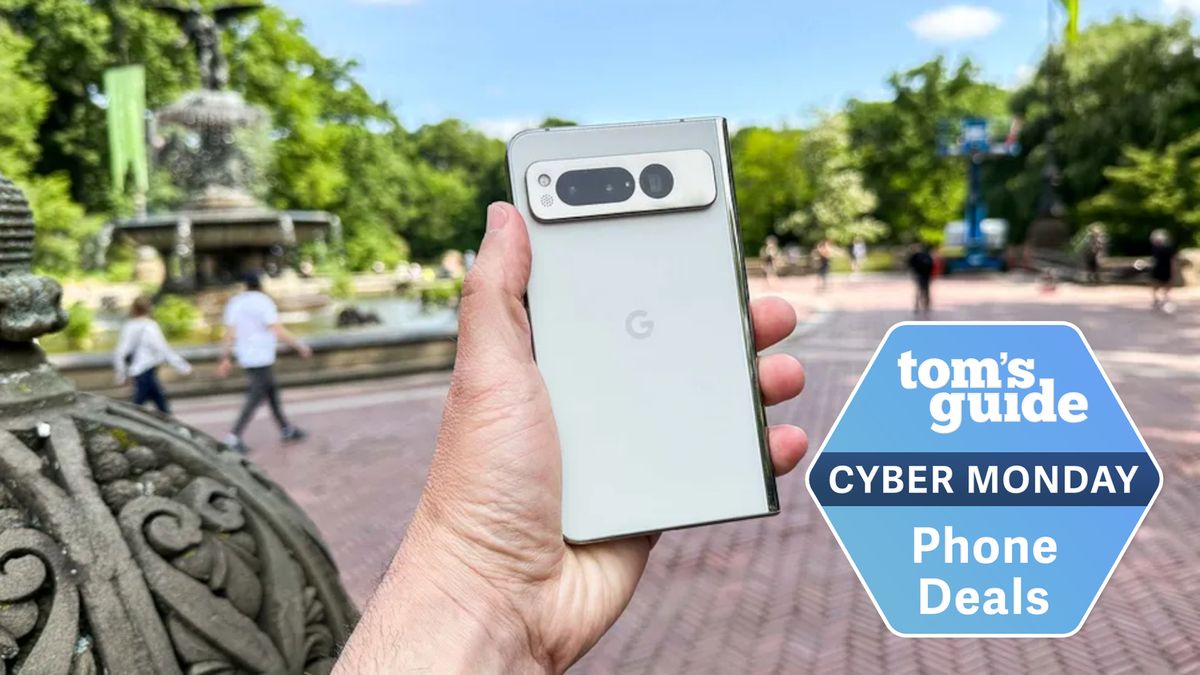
column 739, row 261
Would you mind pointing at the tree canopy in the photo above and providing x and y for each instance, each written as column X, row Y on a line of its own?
column 23, row 108
column 770, row 184
column 1125, row 88
column 841, row 206
column 333, row 146
column 896, row 140
column 1117, row 111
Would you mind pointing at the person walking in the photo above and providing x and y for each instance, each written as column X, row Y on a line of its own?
column 1092, row 249
column 1162, row 272
column 921, row 264
column 858, row 255
column 770, row 255
column 141, row 349
column 824, row 253
column 252, row 334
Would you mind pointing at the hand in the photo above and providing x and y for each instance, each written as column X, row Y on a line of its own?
column 304, row 350
column 120, row 380
column 483, row 581
column 224, row 368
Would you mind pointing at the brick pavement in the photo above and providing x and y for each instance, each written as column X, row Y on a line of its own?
column 777, row 595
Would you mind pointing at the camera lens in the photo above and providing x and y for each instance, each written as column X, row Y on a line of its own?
column 656, row 181
column 606, row 185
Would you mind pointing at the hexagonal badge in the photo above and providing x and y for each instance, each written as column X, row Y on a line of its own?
column 984, row 479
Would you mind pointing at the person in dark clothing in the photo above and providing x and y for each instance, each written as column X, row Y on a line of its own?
column 921, row 264
column 824, row 253
column 1093, row 249
column 261, row 386
column 1162, row 272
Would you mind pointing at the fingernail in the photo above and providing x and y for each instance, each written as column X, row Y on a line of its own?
column 497, row 216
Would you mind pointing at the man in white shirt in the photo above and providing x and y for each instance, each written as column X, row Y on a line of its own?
column 252, row 333
column 141, row 349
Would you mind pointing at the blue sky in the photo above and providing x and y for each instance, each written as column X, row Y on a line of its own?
column 503, row 65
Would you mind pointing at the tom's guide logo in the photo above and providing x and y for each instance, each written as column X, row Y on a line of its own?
column 984, row 479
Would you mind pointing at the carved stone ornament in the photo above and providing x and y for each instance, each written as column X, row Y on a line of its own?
column 29, row 305
column 131, row 543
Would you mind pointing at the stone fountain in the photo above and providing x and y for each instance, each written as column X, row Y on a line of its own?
column 133, row 543
column 206, row 140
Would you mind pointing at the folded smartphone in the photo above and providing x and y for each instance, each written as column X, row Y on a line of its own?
column 641, row 326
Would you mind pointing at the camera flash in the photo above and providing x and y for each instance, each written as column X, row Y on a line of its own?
column 543, row 180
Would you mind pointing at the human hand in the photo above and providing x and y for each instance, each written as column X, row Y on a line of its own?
column 224, row 368
column 483, row 581
column 304, row 350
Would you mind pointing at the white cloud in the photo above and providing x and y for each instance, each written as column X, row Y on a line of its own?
column 1189, row 6
column 506, row 128
column 955, row 23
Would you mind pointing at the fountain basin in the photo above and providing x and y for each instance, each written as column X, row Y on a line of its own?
column 213, row 247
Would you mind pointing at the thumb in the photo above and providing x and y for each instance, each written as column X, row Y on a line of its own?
column 493, row 324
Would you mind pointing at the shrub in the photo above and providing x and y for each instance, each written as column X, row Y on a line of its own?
column 877, row 261
column 342, row 285
column 177, row 316
column 121, row 263
column 442, row 292
column 363, row 249
column 81, row 326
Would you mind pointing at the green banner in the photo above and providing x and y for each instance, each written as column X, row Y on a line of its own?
column 125, row 88
column 1072, row 29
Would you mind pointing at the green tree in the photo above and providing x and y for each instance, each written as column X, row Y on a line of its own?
column 61, row 224
column 471, row 174
column 374, row 202
column 22, row 107
column 63, row 229
column 1150, row 190
column 918, row 191
column 73, row 43
column 446, row 209
column 315, row 105
column 335, row 148
column 371, row 245
column 338, row 149
column 410, row 191
column 332, row 146
column 839, row 206
column 1126, row 85
column 768, row 178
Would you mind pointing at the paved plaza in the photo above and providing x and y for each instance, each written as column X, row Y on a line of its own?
column 777, row 595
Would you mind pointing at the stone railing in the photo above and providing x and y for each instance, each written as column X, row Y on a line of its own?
column 336, row 358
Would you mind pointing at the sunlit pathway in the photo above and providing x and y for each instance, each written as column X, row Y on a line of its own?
column 777, row 595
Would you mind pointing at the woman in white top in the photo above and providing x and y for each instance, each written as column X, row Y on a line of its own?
column 141, row 349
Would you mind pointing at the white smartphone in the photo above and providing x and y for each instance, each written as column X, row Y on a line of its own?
column 641, row 325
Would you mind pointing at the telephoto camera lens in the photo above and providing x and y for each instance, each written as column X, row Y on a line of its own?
column 656, row 181
column 606, row 185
